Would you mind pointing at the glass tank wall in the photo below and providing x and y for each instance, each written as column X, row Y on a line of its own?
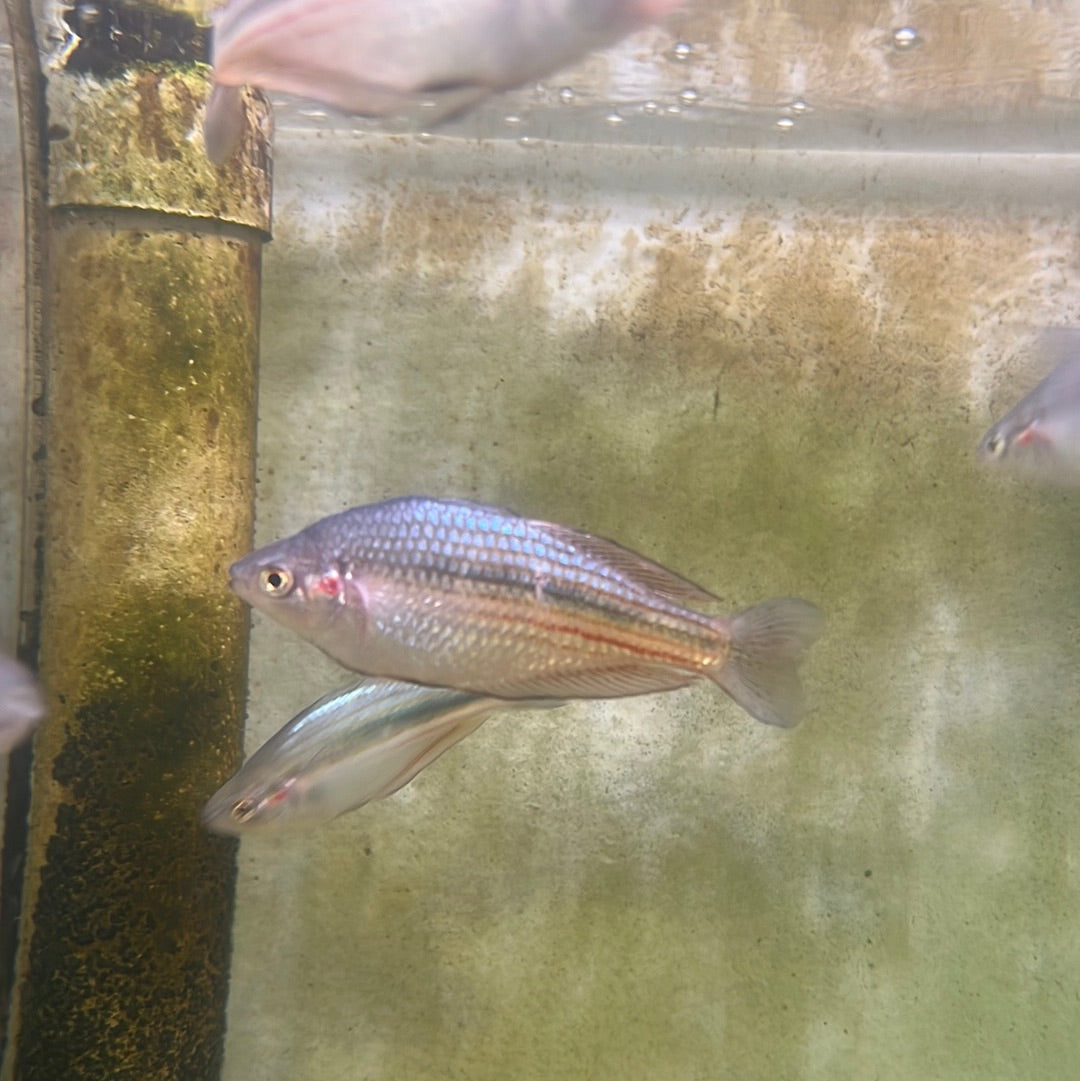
column 743, row 294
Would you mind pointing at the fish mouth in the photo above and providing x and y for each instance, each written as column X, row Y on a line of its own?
column 237, row 576
column 992, row 446
column 215, row 817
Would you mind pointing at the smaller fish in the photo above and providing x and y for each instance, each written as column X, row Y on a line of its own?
column 21, row 703
column 1040, row 436
column 379, row 57
column 352, row 746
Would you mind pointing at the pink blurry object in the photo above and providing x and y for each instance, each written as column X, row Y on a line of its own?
column 378, row 57
column 21, row 703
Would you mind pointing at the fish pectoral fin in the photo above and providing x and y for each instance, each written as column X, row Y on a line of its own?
column 620, row 682
column 418, row 750
column 438, row 104
column 223, row 124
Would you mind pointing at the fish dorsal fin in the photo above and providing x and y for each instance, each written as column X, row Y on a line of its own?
column 1059, row 389
column 1061, row 386
column 636, row 568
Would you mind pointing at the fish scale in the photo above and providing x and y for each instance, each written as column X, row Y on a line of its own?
column 475, row 542
column 463, row 595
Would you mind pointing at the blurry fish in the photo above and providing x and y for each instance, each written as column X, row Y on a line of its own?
column 378, row 57
column 457, row 594
column 1040, row 436
column 352, row 746
column 21, row 703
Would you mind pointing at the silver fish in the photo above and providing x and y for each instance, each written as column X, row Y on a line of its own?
column 457, row 594
column 21, row 703
column 1040, row 435
column 352, row 746
column 378, row 57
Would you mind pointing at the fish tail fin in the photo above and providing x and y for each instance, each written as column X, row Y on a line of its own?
column 768, row 642
column 223, row 124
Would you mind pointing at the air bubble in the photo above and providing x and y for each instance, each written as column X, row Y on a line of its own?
column 689, row 97
column 785, row 123
column 799, row 106
column 566, row 95
column 614, row 117
column 906, row 37
column 424, row 137
column 511, row 118
column 528, row 141
column 682, row 50
column 651, row 108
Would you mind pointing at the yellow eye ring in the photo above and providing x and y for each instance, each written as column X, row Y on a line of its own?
column 275, row 581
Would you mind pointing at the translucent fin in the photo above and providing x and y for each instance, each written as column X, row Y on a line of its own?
column 768, row 642
column 644, row 572
column 437, row 104
column 1060, row 346
column 621, row 682
column 223, row 124
column 406, row 757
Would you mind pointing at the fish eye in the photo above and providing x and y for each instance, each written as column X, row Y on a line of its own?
column 996, row 445
column 275, row 581
column 244, row 809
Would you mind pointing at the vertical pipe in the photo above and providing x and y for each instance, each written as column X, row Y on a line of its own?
column 153, row 286
column 29, row 103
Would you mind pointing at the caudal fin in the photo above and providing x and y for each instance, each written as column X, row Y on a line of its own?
column 768, row 642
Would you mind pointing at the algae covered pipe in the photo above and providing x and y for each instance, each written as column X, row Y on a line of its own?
column 149, row 418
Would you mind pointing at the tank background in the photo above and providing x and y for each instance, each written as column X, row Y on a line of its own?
column 768, row 371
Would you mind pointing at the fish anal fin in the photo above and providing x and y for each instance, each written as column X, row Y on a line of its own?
column 621, row 681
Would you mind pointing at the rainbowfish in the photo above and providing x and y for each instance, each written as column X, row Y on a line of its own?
column 1040, row 435
column 379, row 57
column 456, row 594
column 21, row 703
column 352, row 746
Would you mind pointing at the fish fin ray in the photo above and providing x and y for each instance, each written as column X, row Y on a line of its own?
column 768, row 643
column 618, row 682
column 637, row 568
column 426, row 747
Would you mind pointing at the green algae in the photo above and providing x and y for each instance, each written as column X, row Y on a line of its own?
column 768, row 403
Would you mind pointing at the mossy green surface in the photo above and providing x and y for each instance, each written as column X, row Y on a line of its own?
column 770, row 396
column 150, row 413
column 134, row 140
